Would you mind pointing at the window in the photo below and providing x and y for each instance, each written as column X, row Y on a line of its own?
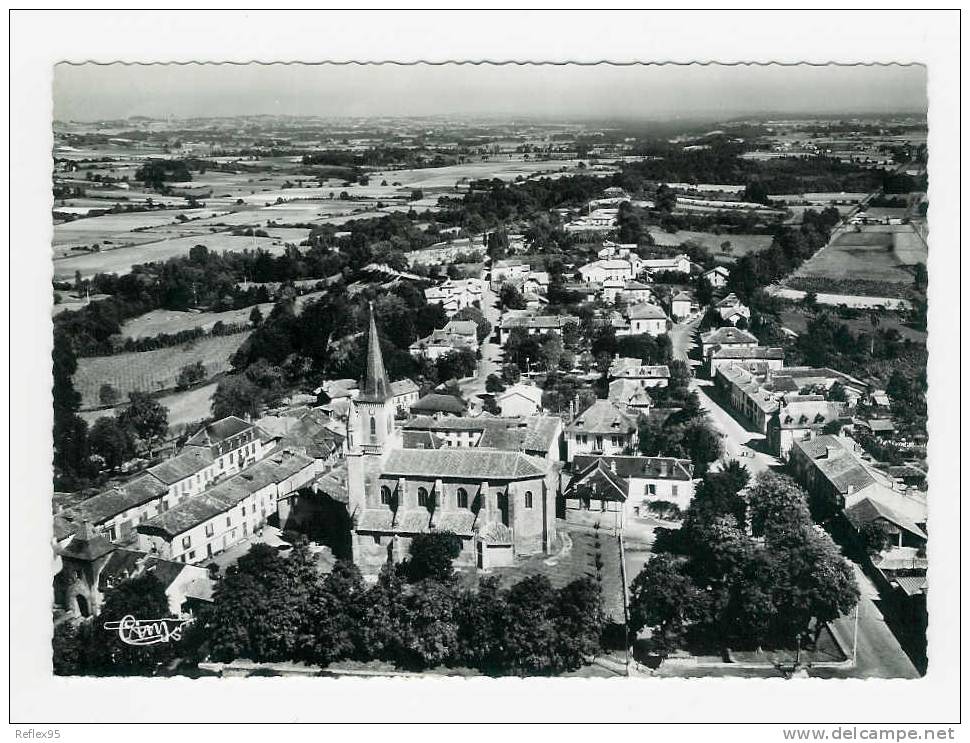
column 373, row 427
column 231, row 455
column 222, row 464
column 528, row 499
column 652, row 489
column 186, row 542
column 422, row 498
column 228, row 520
column 192, row 555
column 673, row 490
column 244, row 511
column 385, row 495
column 210, row 529
column 462, row 498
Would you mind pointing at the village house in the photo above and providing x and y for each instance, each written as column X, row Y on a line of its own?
column 676, row 264
column 533, row 324
column 309, row 432
column 537, row 435
column 611, row 490
column 212, row 522
column 217, row 451
column 771, row 358
column 438, row 405
column 630, row 396
column 455, row 294
column 603, row 428
column 647, row 318
column 726, row 337
column 731, row 310
column 600, row 271
column 681, row 306
column 519, row 400
column 625, row 367
column 800, row 418
column 455, row 336
column 746, row 395
column 509, row 271
column 717, row 277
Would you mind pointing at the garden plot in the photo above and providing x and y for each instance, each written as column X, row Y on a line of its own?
column 157, row 322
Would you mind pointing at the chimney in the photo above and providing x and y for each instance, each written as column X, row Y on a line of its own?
column 613, row 466
column 850, row 490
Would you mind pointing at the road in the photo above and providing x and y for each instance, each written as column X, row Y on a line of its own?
column 740, row 442
column 491, row 361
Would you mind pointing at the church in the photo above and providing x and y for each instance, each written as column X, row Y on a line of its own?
column 499, row 501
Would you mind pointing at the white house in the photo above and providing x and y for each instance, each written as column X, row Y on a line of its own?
column 678, row 264
column 717, row 276
column 603, row 428
column 519, row 400
column 681, row 305
column 647, row 318
column 602, row 270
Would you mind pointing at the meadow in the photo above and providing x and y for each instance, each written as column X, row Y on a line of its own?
column 152, row 371
column 168, row 321
column 877, row 253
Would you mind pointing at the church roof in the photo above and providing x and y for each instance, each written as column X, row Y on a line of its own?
column 375, row 387
column 87, row 544
column 462, row 463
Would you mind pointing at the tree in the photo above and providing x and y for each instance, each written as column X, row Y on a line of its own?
column 336, row 613
column 256, row 317
column 579, row 623
column 70, row 431
column 511, row 373
column 189, row 375
column 72, row 647
column 718, row 494
column 417, row 194
column 665, row 200
column 481, row 621
column 493, row 384
column 430, row 627
column 875, row 537
column 432, row 555
column 383, row 616
column 108, row 395
column 236, row 395
column 530, row 638
column 142, row 597
column 511, row 298
column 111, row 441
column 146, row 417
column 776, row 505
column 664, row 598
column 837, row 393
column 551, row 351
column 702, row 443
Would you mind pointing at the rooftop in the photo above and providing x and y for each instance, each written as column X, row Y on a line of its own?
column 185, row 464
column 636, row 467
column 108, row 504
column 646, row 312
column 434, row 402
column 219, row 431
column 462, row 463
column 603, row 416
column 727, row 336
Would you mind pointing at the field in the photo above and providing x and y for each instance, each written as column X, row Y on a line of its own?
column 711, row 243
column 185, row 409
column 874, row 254
column 95, row 229
column 797, row 320
column 167, row 321
column 152, row 371
column 121, row 260
column 448, row 176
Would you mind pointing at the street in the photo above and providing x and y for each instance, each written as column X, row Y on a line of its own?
column 491, row 361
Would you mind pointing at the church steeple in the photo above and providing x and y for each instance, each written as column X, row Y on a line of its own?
column 375, row 386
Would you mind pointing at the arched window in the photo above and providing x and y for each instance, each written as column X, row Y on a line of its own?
column 528, row 499
column 462, row 498
column 422, row 498
column 385, row 495
column 373, row 426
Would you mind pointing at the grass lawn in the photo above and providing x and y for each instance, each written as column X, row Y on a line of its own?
column 711, row 242
column 797, row 319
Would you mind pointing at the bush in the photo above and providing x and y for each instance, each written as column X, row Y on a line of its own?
column 664, row 509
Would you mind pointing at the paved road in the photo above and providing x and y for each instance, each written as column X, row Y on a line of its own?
column 491, row 361
column 879, row 654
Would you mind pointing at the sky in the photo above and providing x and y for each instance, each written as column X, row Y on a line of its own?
column 91, row 92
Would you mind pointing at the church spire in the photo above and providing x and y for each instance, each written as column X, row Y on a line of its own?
column 375, row 387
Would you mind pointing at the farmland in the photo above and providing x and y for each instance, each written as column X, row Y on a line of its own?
column 152, row 371
column 166, row 321
column 883, row 254
column 711, row 243
column 185, row 409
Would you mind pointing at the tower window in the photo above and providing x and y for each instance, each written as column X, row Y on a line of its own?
column 373, row 426
column 422, row 498
column 528, row 499
column 462, row 498
column 385, row 495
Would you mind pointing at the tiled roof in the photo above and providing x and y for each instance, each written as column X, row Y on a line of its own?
column 108, row 504
column 869, row 509
column 551, row 322
column 437, row 403
column 646, row 311
column 642, row 468
column 727, row 336
column 529, row 392
column 462, row 463
column 911, row 584
column 198, row 509
column 796, row 414
column 403, row 387
column 836, row 463
column 645, row 372
column 603, row 416
column 758, row 352
column 87, row 544
column 534, row 433
column 219, row 431
column 629, row 392
column 190, row 461
column 606, row 484
column 496, row 533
